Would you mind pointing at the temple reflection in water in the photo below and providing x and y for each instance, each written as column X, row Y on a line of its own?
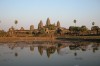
column 59, row 48
column 60, row 53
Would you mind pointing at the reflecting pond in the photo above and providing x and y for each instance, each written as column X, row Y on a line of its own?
column 63, row 53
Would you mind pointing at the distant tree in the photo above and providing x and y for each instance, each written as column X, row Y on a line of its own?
column 77, row 29
column 74, row 22
column 93, row 23
column 74, row 30
column 83, row 28
column 95, row 28
column 71, row 29
column 16, row 22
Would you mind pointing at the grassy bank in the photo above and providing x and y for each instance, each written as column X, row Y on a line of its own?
column 87, row 38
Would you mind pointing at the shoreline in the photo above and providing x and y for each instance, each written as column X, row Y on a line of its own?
column 81, row 38
column 25, row 39
column 48, row 39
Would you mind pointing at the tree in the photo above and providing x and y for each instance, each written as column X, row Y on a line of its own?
column 74, row 30
column 74, row 22
column 83, row 28
column 95, row 28
column 16, row 22
column 93, row 23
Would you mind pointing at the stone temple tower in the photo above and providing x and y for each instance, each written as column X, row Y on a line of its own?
column 32, row 27
column 58, row 24
column 40, row 25
column 48, row 22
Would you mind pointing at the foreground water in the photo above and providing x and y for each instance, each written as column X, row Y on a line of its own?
column 66, row 53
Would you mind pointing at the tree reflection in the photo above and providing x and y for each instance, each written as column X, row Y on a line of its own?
column 75, row 54
column 16, row 54
column 95, row 47
column 50, row 49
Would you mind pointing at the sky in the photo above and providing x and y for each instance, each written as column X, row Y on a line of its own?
column 30, row 12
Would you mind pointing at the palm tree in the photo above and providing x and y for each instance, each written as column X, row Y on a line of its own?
column 93, row 23
column 16, row 22
column 95, row 28
column 74, row 22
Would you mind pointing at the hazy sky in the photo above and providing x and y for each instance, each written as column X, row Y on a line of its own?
column 29, row 12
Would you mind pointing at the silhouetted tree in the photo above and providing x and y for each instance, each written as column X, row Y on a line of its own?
column 95, row 28
column 16, row 22
column 83, row 28
column 74, row 22
column 74, row 30
column 93, row 23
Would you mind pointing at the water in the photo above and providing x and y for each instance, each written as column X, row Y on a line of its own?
column 67, row 53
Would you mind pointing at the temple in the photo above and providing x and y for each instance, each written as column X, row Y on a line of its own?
column 50, row 30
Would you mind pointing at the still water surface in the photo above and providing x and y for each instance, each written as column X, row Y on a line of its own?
column 66, row 53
